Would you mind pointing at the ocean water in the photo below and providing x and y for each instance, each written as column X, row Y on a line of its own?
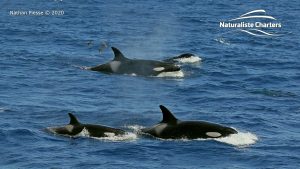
column 247, row 82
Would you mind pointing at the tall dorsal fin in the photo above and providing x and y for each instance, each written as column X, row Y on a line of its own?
column 168, row 117
column 118, row 55
column 73, row 119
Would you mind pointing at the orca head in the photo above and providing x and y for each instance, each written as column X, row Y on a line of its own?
column 185, row 55
column 71, row 129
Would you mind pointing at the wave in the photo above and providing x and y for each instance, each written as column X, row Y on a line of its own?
column 273, row 93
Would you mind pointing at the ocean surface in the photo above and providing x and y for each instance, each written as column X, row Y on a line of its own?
column 244, row 81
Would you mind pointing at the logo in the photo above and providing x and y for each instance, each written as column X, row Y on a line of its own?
column 256, row 23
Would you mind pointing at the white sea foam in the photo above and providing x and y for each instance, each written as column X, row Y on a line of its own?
column 135, row 128
column 112, row 137
column 191, row 59
column 240, row 139
column 109, row 136
column 177, row 74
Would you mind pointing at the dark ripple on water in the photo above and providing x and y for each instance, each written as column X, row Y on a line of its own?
column 273, row 93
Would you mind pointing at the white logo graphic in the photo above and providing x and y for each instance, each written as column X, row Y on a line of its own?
column 255, row 23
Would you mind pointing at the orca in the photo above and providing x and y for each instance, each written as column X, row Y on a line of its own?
column 184, row 58
column 122, row 65
column 75, row 127
column 172, row 128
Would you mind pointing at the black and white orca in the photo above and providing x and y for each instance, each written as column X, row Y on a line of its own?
column 184, row 58
column 122, row 65
column 75, row 127
column 172, row 128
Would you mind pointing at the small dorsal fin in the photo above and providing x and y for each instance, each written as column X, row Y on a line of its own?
column 73, row 119
column 168, row 117
column 118, row 55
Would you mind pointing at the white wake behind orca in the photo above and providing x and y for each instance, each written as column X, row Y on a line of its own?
column 172, row 128
column 122, row 65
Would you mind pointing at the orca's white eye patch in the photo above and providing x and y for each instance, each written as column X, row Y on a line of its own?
column 158, row 69
column 213, row 134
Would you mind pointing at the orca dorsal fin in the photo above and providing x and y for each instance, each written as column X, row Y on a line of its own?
column 118, row 55
column 168, row 117
column 73, row 119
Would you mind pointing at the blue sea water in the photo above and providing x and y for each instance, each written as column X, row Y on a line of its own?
column 247, row 82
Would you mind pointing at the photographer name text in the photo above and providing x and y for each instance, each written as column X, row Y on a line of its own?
column 36, row 12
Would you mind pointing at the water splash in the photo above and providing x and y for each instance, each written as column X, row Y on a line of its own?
column 222, row 41
column 240, row 139
column 135, row 128
column 112, row 137
column 191, row 59
column 176, row 74
column 109, row 136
